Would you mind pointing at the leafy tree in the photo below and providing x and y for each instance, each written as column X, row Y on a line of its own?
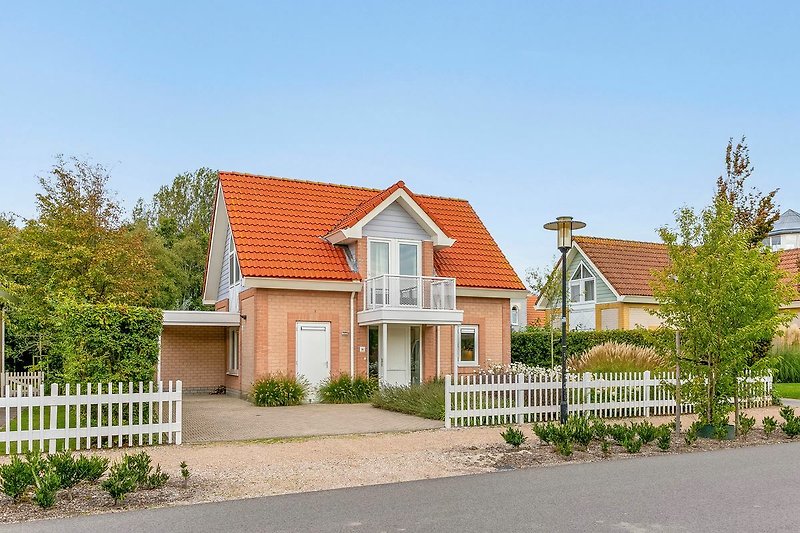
column 753, row 211
column 180, row 214
column 724, row 296
column 546, row 283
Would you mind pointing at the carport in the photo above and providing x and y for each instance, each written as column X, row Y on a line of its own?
column 194, row 348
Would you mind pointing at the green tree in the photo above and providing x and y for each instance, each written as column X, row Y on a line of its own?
column 546, row 283
column 724, row 296
column 180, row 214
column 753, row 211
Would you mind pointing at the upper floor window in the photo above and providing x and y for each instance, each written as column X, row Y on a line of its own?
column 234, row 274
column 776, row 240
column 582, row 285
column 514, row 315
column 393, row 256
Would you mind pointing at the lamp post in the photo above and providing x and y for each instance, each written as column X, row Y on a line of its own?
column 564, row 226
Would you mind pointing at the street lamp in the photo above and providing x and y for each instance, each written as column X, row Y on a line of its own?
column 564, row 226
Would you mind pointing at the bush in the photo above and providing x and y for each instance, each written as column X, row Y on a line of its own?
column 91, row 468
column 791, row 424
column 347, row 389
column 769, row 425
column 746, row 423
column 664, row 439
column 579, row 430
column 65, row 467
column 599, row 428
column 425, row 399
column 16, row 477
column 620, row 432
column 545, row 432
column 276, row 390
column 632, row 444
column 138, row 465
column 533, row 347
column 156, row 479
column 47, row 484
column 564, row 447
column 787, row 367
column 691, row 434
column 120, row 482
column 617, row 357
column 514, row 436
column 646, row 431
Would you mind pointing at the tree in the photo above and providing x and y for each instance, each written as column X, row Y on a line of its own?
column 724, row 296
column 181, row 215
column 546, row 283
column 752, row 211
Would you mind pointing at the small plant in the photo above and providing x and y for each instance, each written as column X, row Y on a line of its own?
column 580, row 430
column 646, row 431
column 605, row 446
column 348, row 389
column 423, row 399
column 545, row 432
column 720, row 431
column 691, row 434
column 185, row 472
column 769, row 425
column 16, row 478
column 156, row 479
column 746, row 423
column 138, row 465
column 66, row 468
column 514, row 436
column 599, row 428
column 120, row 482
column 275, row 390
column 617, row 357
column 91, row 468
column 664, row 439
column 632, row 444
column 564, row 447
column 46, row 485
column 791, row 424
column 620, row 432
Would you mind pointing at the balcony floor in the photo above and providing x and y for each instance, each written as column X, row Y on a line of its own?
column 412, row 315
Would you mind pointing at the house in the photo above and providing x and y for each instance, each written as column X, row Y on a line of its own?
column 608, row 282
column 535, row 317
column 317, row 279
column 785, row 235
column 519, row 313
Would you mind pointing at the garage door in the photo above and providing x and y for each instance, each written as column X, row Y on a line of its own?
column 313, row 352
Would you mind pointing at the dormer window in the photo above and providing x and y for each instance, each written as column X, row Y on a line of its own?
column 582, row 285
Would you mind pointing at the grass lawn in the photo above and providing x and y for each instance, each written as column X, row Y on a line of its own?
column 788, row 390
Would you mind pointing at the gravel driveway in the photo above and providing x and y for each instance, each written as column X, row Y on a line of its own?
column 211, row 418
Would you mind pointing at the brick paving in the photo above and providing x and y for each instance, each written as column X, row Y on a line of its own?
column 211, row 418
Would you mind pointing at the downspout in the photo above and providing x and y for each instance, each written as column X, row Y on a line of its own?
column 352, row 335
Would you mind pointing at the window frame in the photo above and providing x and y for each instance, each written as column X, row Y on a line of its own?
column 233, row 363
column 469, row 328
column 394, row 255
column 580, row 283
column 515, row 315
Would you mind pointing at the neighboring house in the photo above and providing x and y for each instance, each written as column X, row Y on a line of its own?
column 535, row 317
column 316, row 280
column 609, row 280
column 786, row 233
column 519, row 313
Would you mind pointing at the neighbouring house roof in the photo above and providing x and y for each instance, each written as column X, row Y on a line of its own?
column 789, row 222
column 627, row 265
column 790, row 261
column 535, row 316
column 279, row 226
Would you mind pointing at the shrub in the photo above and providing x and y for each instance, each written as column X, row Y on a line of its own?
column 138, row 465
column 424, row 399
column 691, row 434
column 769, row 425
column 64, row 465
column 664, row 439
column 16, row 478
column 156, row 479
column 605, row 446
column 47, row 484
column 787, row 367
column 91, row 468
column 545, row 432
column 347, row 389
column 599, row 428
column 646, row 431
column 746, row 423
column 620, row 432
column 632, row 444
column 514, row 436
column 791, row 424
column 564, row 447
column 533, row 347
column 579, row 430
column 275, row 390
column 617, row 357
column 185, row 472
column 120, row 482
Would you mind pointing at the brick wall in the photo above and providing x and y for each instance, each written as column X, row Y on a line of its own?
column 195, row 355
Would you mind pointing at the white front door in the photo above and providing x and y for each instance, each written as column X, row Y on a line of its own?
column 398, row 358
column 313, row 353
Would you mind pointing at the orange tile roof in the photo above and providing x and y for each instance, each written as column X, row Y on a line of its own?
column 627, row 265
column 278, row 226
column 535, row 317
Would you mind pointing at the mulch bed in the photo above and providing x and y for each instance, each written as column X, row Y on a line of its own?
column 533, row 453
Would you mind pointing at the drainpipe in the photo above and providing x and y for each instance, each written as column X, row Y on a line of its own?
column 455, row 354
column 352, row 335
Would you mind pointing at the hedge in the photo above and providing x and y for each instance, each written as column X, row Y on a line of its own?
column 532, row 347
column 104, row 343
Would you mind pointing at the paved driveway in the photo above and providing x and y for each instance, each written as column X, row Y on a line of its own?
column 210, row 418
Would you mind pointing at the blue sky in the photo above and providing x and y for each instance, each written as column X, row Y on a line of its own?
column 614, row 112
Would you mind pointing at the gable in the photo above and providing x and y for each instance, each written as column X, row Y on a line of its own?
column 396, row 223
column 602, row 291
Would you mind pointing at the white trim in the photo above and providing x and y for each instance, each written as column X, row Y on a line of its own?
column 792, row 305
column 477, row 292
column 477, row 352
column 394, row 255
column 201, row 318
column 302, row 284
column 596, row 270
column 543, row 305
column 515, row 319
column 216, row 248
column 233, row 354
column 634, row 299
column 581, row 284
column 439, row 237
column 388, row 315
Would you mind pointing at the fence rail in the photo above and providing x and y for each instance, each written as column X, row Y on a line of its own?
column 11, row 382
column 476, row 400
column 92, row 415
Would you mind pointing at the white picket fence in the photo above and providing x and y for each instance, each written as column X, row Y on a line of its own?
column 476, row 400
column 11, row 382
column 90, row 415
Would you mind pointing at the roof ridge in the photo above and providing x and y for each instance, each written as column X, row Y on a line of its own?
column 632, row 241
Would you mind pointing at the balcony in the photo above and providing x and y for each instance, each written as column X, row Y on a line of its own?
column 395, row 299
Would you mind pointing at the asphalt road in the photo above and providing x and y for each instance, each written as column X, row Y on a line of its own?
column 747, row 489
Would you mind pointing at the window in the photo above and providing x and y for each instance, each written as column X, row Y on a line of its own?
column 776, row 240
column 582, row 285
column 514, row 315
column 233, row 352
column 468, row 345
column 234, row 274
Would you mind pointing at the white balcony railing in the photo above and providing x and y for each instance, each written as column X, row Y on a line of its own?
column 391, row 291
